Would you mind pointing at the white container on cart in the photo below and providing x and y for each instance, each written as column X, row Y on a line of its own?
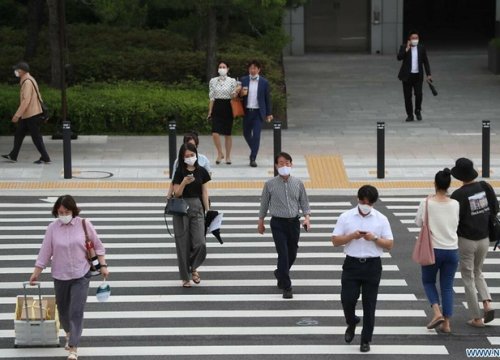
column 36, row 326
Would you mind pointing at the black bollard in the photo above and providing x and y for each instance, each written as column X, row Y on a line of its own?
column 277, row 141
column 172, row 146
column 380, row 150
column 66, row 134
column 486, row 149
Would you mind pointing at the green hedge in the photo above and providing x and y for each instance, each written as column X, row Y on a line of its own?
column 121, row 108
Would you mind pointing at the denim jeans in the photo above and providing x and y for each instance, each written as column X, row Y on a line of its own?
column 447, row 264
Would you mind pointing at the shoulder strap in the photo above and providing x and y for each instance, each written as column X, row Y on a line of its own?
column 85, row 230
column 427, row 211
column 36, row 90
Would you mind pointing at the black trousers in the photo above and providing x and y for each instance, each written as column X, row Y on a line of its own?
column 414, row 83
column 364, row 277
column 31, row 125
column 286, row 233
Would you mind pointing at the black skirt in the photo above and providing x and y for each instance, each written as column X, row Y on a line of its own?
column 222, row 117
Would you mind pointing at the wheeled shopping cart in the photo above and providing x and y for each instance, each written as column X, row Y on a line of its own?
column 36, row 321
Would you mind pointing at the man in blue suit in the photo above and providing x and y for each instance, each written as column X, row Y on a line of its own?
column 257, row 102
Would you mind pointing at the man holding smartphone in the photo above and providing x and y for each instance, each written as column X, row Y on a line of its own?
column 284, row 196
column 365, row 234
column 414, row 57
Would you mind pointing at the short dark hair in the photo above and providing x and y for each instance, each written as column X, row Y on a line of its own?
column 68, row 202
column 192, row 135
column 413, row 32
column 283, row 155
column 222, row 62
column 255, row 63
column 369, row 193
column 442, row 180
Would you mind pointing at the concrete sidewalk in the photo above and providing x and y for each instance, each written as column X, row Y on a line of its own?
column 334, row 104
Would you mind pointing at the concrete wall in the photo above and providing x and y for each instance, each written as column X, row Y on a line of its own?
column 386, row 26
column 293, row 24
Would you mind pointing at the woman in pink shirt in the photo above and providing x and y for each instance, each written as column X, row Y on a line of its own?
column 64, row 249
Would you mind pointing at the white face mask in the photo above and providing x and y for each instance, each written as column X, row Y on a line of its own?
column 284, row 170
column 190, row 160
column 414, row 42
column 65, row 219
column 222, row 72
column 365, row 209
column 16, row 73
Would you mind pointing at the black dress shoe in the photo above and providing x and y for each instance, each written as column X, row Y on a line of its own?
column 419, row 115
column 253, row 163
column 9, row 158
column 349, row 332
column 364, row 347
column 409, row 118
column 40, row 161
column 287, row 293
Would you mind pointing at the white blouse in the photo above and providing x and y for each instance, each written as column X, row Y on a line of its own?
column 221, row 87
column 443, row 222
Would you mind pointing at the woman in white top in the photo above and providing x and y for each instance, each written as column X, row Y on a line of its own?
column 221, row 90
column 443, row 224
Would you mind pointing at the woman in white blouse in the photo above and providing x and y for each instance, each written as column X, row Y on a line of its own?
column 443, row 224
column 221, row 90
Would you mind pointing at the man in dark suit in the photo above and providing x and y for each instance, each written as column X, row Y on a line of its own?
column 257, row 102
column 414, row 58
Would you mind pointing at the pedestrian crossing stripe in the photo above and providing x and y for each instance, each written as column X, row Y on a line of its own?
column 238, row 331
column 196, row 314
column 494, row 340
column 227, row 298
column 212, row 283
column 221, row 350
column 492, row 289
column 205, row 268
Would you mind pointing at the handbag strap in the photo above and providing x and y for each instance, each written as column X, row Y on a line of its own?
column 87, row 238
column 36, row 90
column 426, row 217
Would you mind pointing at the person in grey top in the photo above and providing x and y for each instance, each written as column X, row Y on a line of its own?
column 284, row 196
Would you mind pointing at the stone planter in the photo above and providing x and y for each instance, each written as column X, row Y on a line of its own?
column 494, row 57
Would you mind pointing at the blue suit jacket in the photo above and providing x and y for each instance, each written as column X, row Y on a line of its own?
column 263, row 96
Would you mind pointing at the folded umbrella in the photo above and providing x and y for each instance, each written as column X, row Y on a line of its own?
column 213, row 222
column 432, row 87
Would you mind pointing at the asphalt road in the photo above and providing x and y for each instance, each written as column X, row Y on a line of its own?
column 236, row 311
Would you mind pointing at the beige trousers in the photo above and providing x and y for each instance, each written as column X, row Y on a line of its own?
column 472, row 255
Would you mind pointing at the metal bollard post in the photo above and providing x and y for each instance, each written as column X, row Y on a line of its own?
column 277, row 141
column 486, row 149
column 172, row 147
column 66, row 133
column 380, row 150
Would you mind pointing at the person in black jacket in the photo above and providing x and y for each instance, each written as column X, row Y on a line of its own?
column 414, row 58
column 477, row 203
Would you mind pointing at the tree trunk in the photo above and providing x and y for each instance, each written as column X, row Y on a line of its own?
column 35, row 18
column 211, row 41
column 55, row 50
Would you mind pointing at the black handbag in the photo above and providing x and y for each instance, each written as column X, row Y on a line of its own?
column 176, row 206
column 493, row 223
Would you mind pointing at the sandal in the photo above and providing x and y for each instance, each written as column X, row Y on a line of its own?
column 489, row 316
column 435, row 323
column 196, row 277
column 186, row 284
column 72, row 355
column 475, row 324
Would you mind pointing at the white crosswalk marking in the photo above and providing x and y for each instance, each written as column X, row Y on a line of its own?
column 236, row 310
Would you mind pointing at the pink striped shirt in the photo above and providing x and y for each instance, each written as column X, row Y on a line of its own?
column 65, row 245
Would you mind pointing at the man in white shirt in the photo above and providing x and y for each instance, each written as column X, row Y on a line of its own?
column 365, row 233
column 414, row 57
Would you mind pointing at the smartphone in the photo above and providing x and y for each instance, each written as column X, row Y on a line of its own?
column 306, row 228
column 363, row 232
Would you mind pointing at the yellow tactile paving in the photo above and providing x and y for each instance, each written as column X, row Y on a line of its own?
column 325, row 171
